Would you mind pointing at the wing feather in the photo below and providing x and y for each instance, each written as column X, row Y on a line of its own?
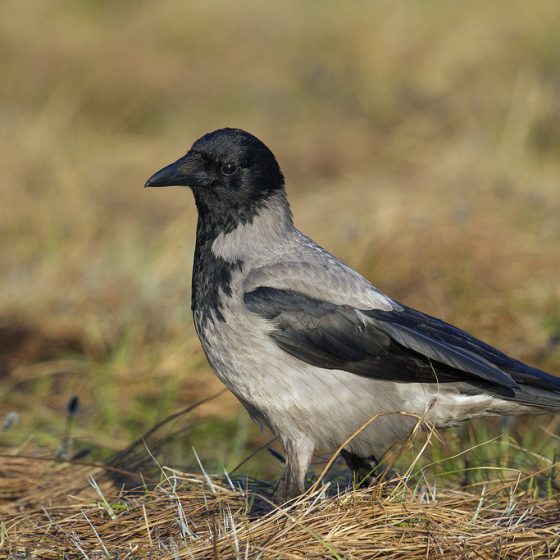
column 403, row 345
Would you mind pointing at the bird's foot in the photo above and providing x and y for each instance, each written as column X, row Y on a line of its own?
column 367, row 471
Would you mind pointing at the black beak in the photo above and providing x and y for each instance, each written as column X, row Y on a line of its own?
column 188, row 171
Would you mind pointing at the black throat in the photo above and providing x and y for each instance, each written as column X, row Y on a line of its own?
column 211, row 273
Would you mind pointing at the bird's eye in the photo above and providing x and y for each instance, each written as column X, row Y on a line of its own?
column 229, row 169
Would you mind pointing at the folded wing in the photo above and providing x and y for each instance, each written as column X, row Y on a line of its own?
column 402, row 345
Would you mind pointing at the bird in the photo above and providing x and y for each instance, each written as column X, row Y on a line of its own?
column 311, row 348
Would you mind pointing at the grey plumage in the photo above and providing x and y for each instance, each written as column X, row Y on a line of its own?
column 311, row 348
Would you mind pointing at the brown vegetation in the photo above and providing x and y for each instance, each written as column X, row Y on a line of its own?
column 193, row 516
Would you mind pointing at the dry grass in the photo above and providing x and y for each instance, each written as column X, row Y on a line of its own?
column 419, row 146
column 420, row 143
column 195, row 516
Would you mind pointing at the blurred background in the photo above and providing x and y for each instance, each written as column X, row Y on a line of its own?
column 420, row 141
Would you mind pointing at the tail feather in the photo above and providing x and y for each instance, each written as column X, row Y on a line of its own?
column 536, row 387
column 538, row 398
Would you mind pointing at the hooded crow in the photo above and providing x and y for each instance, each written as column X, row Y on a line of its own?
column 311, row 348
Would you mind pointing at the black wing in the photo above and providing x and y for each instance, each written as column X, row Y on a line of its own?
column 406, row 345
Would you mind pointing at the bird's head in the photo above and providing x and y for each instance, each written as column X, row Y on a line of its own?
column 228, row 170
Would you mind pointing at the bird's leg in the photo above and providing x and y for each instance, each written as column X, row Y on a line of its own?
column 364, row 469
column 292, row 481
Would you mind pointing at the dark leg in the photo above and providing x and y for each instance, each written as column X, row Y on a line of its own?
column 365, row 469
column 292, row 480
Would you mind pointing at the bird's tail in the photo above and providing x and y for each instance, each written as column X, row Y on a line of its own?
column 537, row 388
